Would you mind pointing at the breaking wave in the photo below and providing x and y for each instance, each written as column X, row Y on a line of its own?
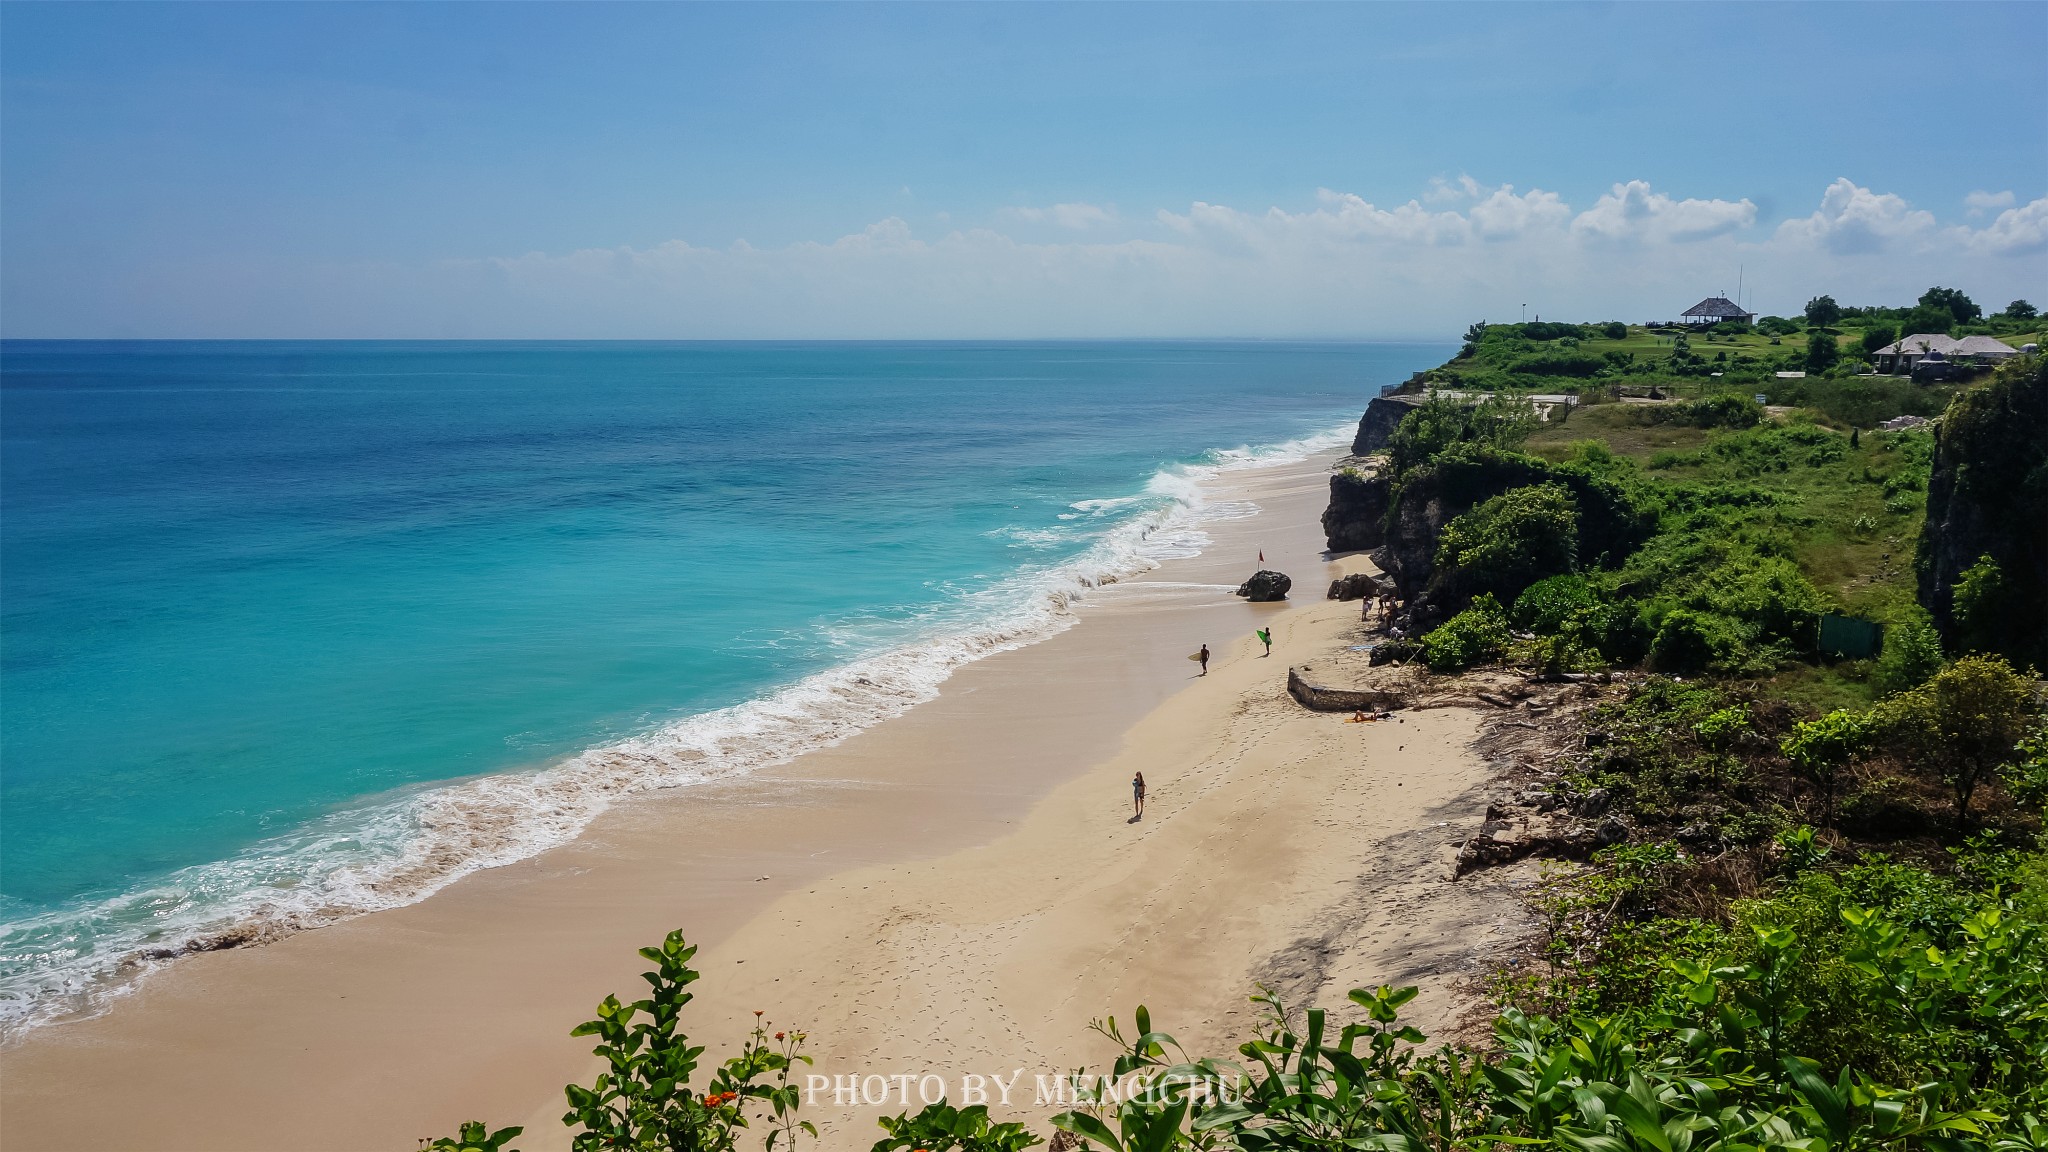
column 397, row 849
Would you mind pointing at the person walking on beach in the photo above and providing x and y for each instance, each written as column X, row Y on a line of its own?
column 1203, row 656
column 1138, row 797
column 1265, row 636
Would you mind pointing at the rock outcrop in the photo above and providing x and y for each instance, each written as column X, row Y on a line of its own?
column 1355, row 518
column 1381, row 417
column 1987, row 495
column 1357, row 586
column 1265, row 586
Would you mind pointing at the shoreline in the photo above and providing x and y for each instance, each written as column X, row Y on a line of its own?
column 381, row 1029
column 457, row 827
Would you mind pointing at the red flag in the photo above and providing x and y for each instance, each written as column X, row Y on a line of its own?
column 1262, row 557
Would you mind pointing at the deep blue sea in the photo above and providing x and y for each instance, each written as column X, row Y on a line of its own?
column 296, row 630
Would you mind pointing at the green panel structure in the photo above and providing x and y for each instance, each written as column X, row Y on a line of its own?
column 1848, row 638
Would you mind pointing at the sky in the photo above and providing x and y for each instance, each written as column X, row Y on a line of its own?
column 846, row 171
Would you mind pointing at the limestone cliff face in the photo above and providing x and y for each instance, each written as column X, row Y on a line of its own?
column 1381, row 417
column 1358, row 505
column 1987, row 495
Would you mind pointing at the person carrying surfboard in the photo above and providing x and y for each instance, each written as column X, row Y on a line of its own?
column 1265, row 636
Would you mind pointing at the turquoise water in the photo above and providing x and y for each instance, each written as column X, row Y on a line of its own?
column 295, row 630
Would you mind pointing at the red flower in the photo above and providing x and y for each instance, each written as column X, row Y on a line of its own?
column 778, row 1035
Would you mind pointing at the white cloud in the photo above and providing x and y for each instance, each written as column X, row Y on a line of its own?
column 1343, row 218
column 2016, row 232
column 1634, row 212
column 1079, row 217
column 1442, row 191
column 1338, row 265
column 1979, row 203
column 1853, row 220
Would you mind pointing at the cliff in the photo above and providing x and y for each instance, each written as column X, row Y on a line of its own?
column 1381, row 417
column 1358, row 508
column 1987, row 495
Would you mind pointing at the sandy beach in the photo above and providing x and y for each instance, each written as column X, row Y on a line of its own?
column 955, row 891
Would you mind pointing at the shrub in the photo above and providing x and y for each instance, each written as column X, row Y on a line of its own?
column 1474, row 636
column 1912, row 651
column 1821, row 748
column 1693, row 641
column 1963, row 726
column 1776, row 326
column 1510, row 541
column 943, row 1128
column 1558, row 364
column 1547, row 604
column 1616, row 330
column 1438, row 424
column 1727, row 410
column 1981, row 608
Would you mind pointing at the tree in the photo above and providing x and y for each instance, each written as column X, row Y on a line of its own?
column 2020, row 310
column 1472, row 337
column 1821, row 748
column 1924, row 318
column 1877, row 336
column 1822, row 311
column 1963, row 726
column 1822, row 353
column 1952, row 301
column 1615, row 330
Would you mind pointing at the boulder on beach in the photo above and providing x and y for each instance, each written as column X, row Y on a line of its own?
column 1357, row 586
column 1265, row 586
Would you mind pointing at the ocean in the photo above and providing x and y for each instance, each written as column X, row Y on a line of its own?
column 294, row 631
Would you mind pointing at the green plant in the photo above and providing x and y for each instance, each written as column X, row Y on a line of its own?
column 1510, row 541
column 1545, row 605
column 1693, row 641
column 1802, row 849
column 1496, row 422
column 1912, row 651
column 941, row 1127
column 1821, row 748
column 1981, row 606
column 1474, row 636
column 1822, row 353
column 643, row 1100
column 474, row 1138
column 1963, row 726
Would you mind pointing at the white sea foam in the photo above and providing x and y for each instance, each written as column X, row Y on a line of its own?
column 398, row 850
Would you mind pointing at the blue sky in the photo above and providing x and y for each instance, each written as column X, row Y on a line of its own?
column 504, row 170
